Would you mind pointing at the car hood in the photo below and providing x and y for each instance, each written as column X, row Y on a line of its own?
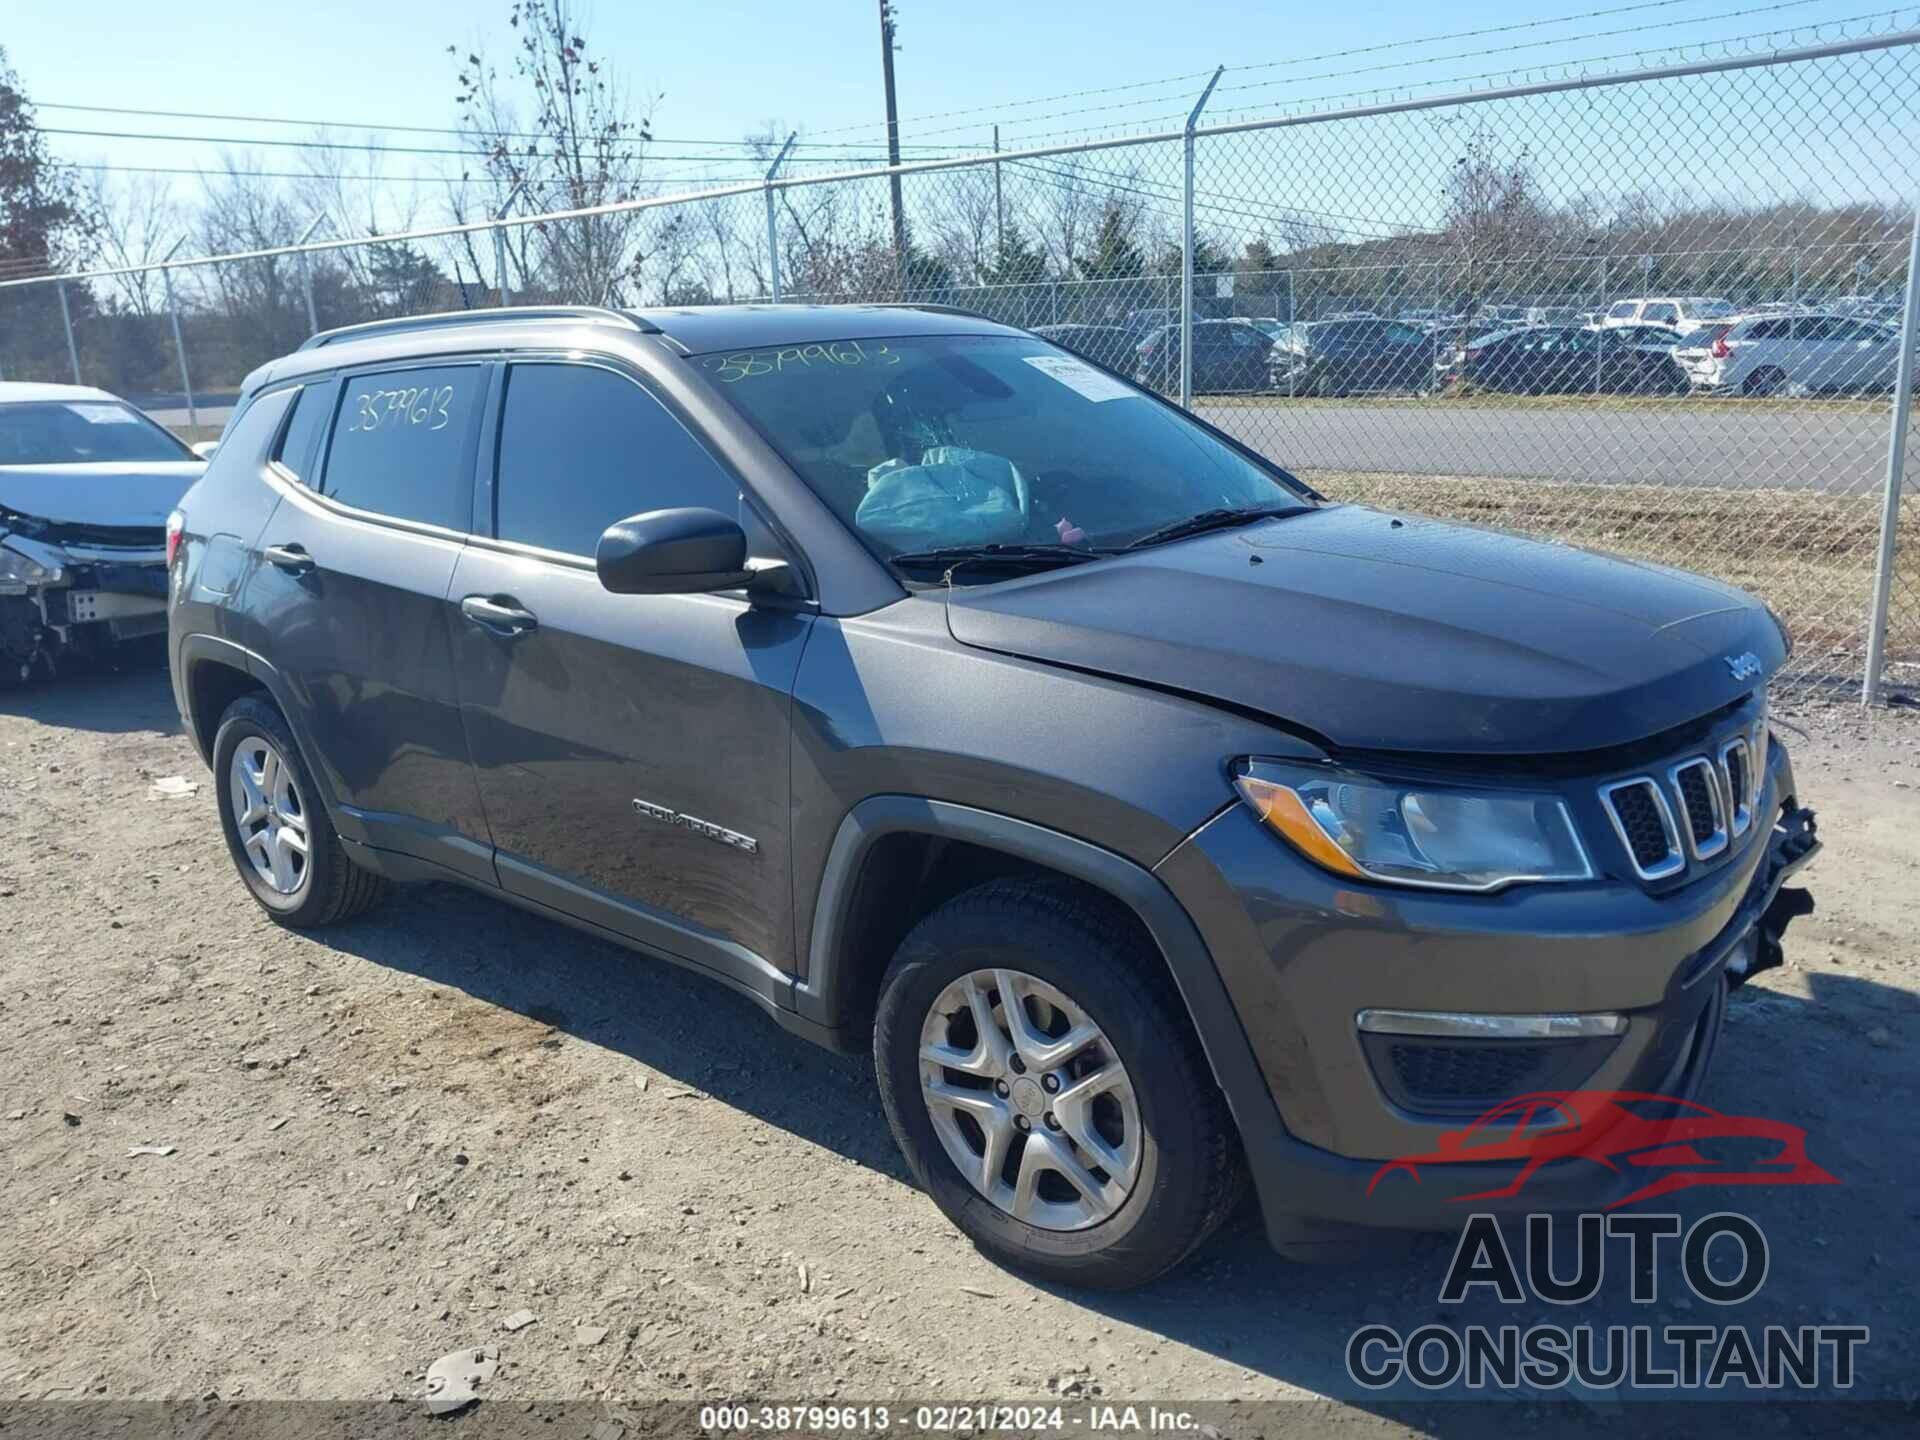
column 121, row 493
column 1395, row 632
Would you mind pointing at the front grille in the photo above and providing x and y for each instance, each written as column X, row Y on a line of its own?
column 1489, row 1071
column 1645, row 826
column 1699, row 790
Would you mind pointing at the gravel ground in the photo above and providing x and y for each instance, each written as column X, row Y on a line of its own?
column 386, row 1140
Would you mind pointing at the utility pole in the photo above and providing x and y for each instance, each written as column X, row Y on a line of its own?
column 893, row 140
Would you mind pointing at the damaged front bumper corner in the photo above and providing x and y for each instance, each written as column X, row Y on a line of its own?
column 1772, row 904
column 56, row 600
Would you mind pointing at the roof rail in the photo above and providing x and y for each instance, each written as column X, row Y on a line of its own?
column 450, row 319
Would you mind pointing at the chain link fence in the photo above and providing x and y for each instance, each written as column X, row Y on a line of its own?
column 1659, row 312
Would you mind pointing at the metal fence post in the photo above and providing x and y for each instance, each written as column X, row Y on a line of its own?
column 66, row 317
column 1896, row 473
column 1292, row 320
column 773, row 225
column 500, row 244
column 1186, row 247
column 306, row 272
column 179, row 345
column 999, row 207
column 1600, row 348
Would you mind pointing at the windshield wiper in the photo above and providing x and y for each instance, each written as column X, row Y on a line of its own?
column 948, row 557
column 1225, row 518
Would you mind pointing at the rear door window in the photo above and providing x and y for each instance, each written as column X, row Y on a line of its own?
column 1662, row 314
column 401, row 443
column 582, row 446
column 1623, row 311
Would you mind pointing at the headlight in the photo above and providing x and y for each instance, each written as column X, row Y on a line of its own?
column 17, row 569
column 1426, row 835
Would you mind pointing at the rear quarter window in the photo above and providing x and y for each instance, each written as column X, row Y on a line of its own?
column 298, row 451
column 400, row 443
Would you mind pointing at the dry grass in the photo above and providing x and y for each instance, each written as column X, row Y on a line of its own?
column 1810, row 556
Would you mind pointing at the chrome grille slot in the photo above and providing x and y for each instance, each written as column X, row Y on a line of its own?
column 1736, row 768
column 1703, row 811
column 1644, row 823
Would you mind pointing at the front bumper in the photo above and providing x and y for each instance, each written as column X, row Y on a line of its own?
column 1302, row 954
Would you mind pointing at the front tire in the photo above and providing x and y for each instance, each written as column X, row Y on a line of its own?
column 278, row 831
column 1077, row 1132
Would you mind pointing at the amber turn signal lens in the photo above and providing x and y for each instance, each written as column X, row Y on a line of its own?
column 1281, row 810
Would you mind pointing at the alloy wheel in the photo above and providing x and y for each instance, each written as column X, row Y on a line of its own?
column 1030, row 1100
column 270, row 815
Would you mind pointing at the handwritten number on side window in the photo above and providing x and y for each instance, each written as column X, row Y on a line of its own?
column 410, row 406
column 840, row 355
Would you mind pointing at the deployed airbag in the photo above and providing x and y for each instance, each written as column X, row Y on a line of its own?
column 953, row 496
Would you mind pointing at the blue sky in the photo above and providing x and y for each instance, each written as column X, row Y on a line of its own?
column 723, row 68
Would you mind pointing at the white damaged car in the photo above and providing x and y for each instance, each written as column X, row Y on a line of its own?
column 86, row 485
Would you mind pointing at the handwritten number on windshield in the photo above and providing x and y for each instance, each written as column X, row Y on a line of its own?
column 840, row 354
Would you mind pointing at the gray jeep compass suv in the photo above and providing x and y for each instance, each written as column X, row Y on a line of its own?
column 1157, row 823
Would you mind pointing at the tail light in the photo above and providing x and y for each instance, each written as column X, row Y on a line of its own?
column 176, row 527
column 1718, row 345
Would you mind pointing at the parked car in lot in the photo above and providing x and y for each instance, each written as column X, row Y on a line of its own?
column 1685, row 313
column 86, row 482
column 1110, row 345
column 1151, row 820
column 1228, row 356
column 1765, row 354
column 1346, row 357
column 1569, row 360
column 1661, row 339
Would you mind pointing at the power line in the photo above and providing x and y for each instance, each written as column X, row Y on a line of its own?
column 1435, row 60
column 215, row 173
column 413, row 129
column 1640, row 5
column 1078, row 132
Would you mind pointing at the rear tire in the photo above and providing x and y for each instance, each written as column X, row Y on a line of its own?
column 1166, row 1145
column 290, row 857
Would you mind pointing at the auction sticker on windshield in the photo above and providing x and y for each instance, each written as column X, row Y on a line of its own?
column 105, row 414
column 1081, row 378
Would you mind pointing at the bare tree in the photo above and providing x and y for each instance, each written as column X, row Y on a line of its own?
column 965, row 224
column 582, row 145
column 349, row 192
column 138, row 219
column 1494, row 214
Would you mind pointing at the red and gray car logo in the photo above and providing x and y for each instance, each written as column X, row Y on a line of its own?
column 1675, row 1144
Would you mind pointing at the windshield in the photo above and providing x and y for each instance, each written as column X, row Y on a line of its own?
column 937, row 441
column 1710, row 309
column 77, row 432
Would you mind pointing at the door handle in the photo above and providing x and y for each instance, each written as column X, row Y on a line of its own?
column 503, row 617
column 291, row 558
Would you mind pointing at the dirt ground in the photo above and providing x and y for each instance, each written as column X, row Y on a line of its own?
column 386, row 1140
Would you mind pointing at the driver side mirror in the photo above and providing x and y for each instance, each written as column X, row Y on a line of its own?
column 678, row 552
column 205, row 449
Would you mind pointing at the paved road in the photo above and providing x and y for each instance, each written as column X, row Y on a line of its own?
column 1744, row 445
